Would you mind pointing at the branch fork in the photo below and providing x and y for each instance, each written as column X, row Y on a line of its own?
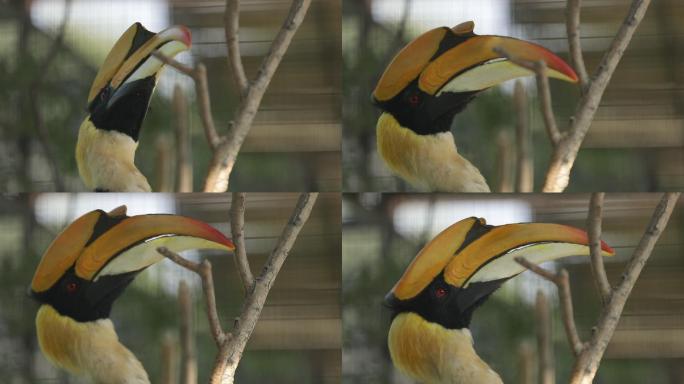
column 566, row 145
column 588, row 354
column 226, row 148
column 544, row 92
column 562, row 282
column 232, row 344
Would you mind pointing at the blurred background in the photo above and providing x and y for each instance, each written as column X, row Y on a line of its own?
column 636, row 142
column 294, row 143
column 297, row 338
column 383, row 232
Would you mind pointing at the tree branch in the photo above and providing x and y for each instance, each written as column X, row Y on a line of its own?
column 183, row 147
column 504, row 158
column 587, row 363
column 543, row 90
column 199, row 76
column 572, row 25
column 524, row 166
column 256, row 299
column 202, row 87
column 526, row 359
column 237, row 224
column 561, row 281
column 231, row 18
column 232, row 345
column 187, row 344
column 203, row 269
column 226, row 153
column 544, row 340
column 168, row 364
column 163, row 164
column 565, row 153
column 594, row 231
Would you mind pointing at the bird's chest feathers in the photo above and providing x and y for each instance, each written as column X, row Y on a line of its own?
column 426, row 161
column 433, row 354
column 106, row 160
column 91, row 349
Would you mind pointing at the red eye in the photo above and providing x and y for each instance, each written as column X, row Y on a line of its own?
column 413, row 100
column 440, row 292
column 71, row 287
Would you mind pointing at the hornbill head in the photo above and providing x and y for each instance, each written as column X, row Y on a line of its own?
column 117, row 102
column 120, row 95
column 439, row 72
column 454, row 274
column 89, row 265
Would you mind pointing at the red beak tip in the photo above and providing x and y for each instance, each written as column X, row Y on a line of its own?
column 607, row 248
column 187, row 35
column 574, row 77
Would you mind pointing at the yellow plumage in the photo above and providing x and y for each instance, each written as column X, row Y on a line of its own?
column 432, row 354
column 426, row 161
column 87, row 348
column 106, row 160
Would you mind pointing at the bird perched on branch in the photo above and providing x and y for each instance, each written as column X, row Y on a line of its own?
column 117, row 104
column 453, row 275
column 432, row 79
column 84, row 271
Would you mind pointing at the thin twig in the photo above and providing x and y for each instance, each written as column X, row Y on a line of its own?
column 565, row 153
column 561, row 281
column 572, row 25
column 203, row 269
column 183, row 147
column 524, row 166
column 187, row 341
column 163, row 164
column 588, row 361
column 525, row 363
column 168, row 364
column 199, row 76
column 232, row 345
column 231, row 19
column 254, row 302
column 227, row 151
column 544, row 340
column 180, row 67
column 202, row 87
column 504, row 157
column 568, row 312
column 594, row 230
column 237, row 224
column 543, row 90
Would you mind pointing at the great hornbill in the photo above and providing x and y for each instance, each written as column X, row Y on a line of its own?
column 433, row 302
column 117, row 104
column 84, row 271
column 432, row 79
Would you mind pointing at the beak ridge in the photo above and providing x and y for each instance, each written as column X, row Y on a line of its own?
column 473, row 65
column 492, row 255
column 100, row 243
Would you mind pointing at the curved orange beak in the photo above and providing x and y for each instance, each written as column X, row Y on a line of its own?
column 457, row 60
column 104, row 244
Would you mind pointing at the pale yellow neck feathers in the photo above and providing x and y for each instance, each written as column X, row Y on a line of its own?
column 432, row 354
column 91, row 349
column 428, row 162
column 106, row 160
